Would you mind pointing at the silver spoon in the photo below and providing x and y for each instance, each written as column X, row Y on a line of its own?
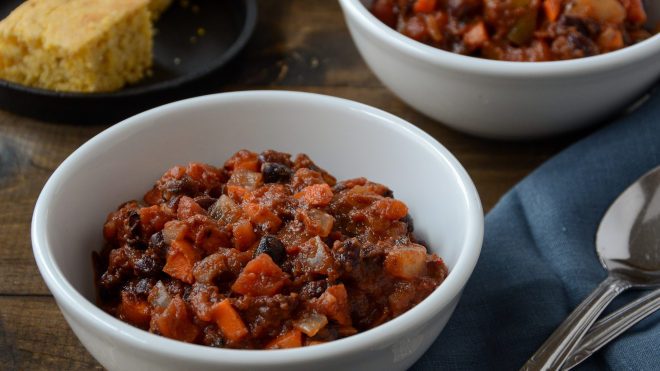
column 608, row 328
column 628, row 246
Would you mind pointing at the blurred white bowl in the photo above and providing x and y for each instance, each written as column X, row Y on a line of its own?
column 347, row 138
column 505, row 100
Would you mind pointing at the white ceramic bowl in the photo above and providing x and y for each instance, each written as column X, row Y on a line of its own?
column 347, row 138
column 506, row 100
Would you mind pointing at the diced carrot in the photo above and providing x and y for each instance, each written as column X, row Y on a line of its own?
column 476, row 35
column 424, row 6
column 134, row 311
column 260, row 277
column 552, row 9
column 244, row 235
column 188, row 207
column 229, row 321
column 289, row 339
column 175, row 322
column 152, row 219
column 315, row 195
column 181, row 257
column 390, row 208
column 263, row 216
column 243, row 159
column 334, row 304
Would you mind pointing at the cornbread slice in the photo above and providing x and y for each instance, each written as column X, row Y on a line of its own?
column 157, row 7
column 76, row 45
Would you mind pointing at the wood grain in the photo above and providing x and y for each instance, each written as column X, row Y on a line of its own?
column 299, row 45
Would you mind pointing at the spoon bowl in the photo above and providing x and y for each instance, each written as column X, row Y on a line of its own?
column 635, row 254
column 628, row 246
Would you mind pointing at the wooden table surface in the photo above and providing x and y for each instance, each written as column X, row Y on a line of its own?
column 298, row 45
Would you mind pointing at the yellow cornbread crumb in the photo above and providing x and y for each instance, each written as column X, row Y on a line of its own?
column 76, row 45
column 157, row 7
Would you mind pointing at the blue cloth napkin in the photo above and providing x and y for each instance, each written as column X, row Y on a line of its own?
column 538, row 260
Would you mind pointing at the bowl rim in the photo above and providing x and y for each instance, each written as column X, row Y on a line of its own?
column 78, row 308
column 355, row 10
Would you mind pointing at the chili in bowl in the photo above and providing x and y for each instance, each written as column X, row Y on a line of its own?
column 265, row 252
column 461, row 61
column 122, row 163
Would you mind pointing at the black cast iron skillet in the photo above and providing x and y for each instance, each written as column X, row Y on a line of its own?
column 192, row 48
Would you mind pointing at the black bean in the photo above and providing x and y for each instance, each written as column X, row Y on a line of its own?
column 173, row 202
column 133, row 224
column 272, row 246
column 584, row 26
column 347, row 254
column 274, row 156
column 143, row 286
column 205, row 201
column 149, row 264
column 157, row 242
column 183, row 186
column 275, row 173
column 580, row 42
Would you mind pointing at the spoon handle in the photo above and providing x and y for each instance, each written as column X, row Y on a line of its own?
column 613, row 325
column 558, row 347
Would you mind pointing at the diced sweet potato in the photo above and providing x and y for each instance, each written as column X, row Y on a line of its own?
column 289, row 339
column 390, row 208
column 181, row 258
column 229, row 321
column 175, row 322
column 188, row 208
column 334, row 304
column 261, row 276
column 315, row 195
column 424, row 6
column 174, row 230
column 262, row 216
column 244, row 235
column 206, row 234
column 134, row 311
column 243, row 159
column 153, row 219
